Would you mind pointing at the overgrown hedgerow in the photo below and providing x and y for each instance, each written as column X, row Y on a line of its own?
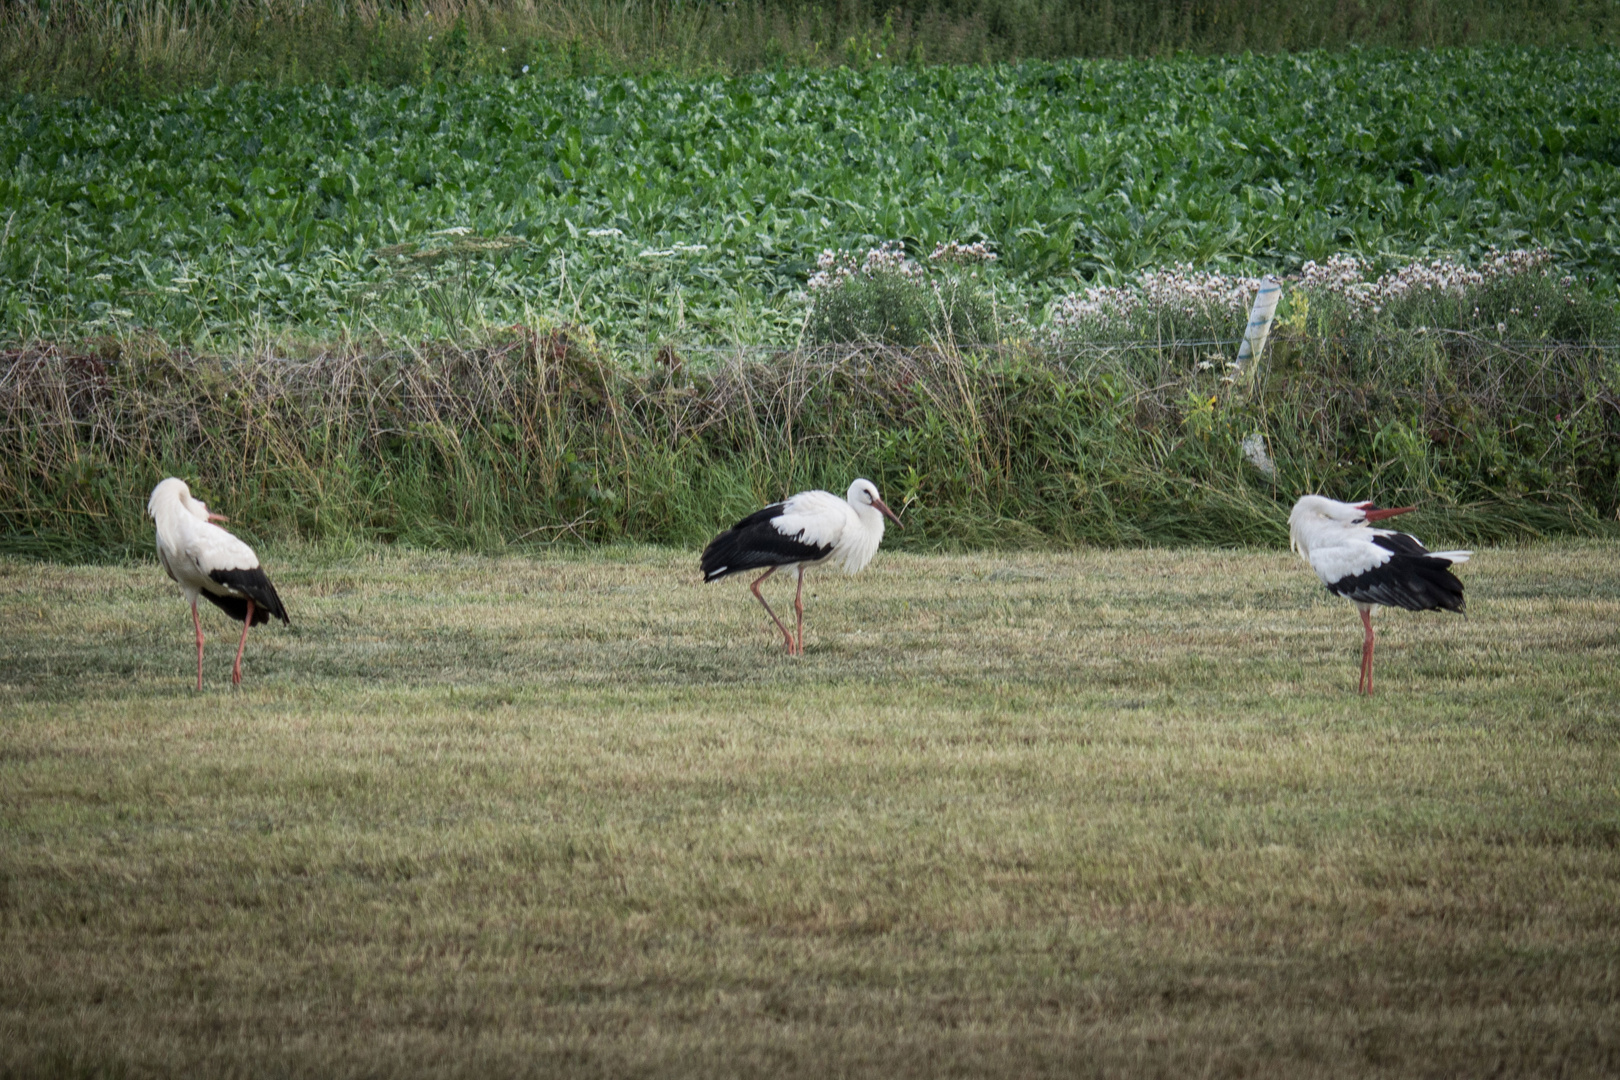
column 536, row 437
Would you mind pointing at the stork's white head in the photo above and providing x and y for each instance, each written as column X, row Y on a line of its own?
column 863, row 496
column 174, row 493
column 1316, row 517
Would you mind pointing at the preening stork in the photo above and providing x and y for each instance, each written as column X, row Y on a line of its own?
column 207, row 561
column 1369, row 566
column 809, row 528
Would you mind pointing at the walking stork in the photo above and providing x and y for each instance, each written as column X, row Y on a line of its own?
column 1369, row 566
column 205, row 560
column 807, row 529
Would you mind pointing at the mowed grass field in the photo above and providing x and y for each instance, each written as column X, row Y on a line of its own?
column 1097, row 813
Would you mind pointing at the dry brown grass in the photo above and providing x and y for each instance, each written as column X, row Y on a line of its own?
column 155, row 46
column 1091, row 814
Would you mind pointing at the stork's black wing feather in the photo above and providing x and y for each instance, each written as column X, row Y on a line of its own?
column 1411, row 579
column 1401, row 543
column 247, row 585
column 755, row 543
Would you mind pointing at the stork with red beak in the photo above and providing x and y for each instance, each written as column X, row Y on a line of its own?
column 210, row 563
column 803, row 531
column 1369, row 566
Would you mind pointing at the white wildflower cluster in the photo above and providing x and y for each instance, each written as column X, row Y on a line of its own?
column 1345, row 277
column 1180, row 290
column 952, row 252
column 833, row 268
column 1339, row 274
column 1098, row 304
column 1518, row 261
column 1184, row 291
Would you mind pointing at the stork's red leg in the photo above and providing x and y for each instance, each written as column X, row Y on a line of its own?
column 198, row 624
column 236, row 672
column 1367, row 652
column 798, row 606
column 754, row 588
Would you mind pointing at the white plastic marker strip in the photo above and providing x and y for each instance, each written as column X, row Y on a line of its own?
column 1265, row 306
column 1254, row 448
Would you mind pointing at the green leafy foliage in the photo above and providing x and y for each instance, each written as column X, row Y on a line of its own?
column 891, row 299
column 692, row 209
column 892, row 310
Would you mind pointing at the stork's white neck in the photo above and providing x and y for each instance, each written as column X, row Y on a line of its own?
column 1317, row 521
column 863, row 540
column 167, row 504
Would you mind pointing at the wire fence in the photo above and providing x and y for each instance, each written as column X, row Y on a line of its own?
column 111, row 352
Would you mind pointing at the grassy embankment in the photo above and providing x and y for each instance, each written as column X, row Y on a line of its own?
column 156, row 46
column 538, row 439
column 1085, row 814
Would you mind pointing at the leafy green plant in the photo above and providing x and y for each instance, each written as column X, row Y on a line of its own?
column 888, row 298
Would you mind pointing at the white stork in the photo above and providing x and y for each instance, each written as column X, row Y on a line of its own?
column 205, row 560
column 1371, row 566
column 809, row 528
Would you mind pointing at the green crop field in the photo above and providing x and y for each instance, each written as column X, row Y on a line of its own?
column 692, row 209
column 1099, row 813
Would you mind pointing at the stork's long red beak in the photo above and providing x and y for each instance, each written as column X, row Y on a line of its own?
column 217, row 517
column 883, row 508
column 1380, row 515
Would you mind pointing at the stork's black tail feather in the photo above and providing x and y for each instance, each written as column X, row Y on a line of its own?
column 1413, row 582
column 1414, row 578
column 251, row 585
